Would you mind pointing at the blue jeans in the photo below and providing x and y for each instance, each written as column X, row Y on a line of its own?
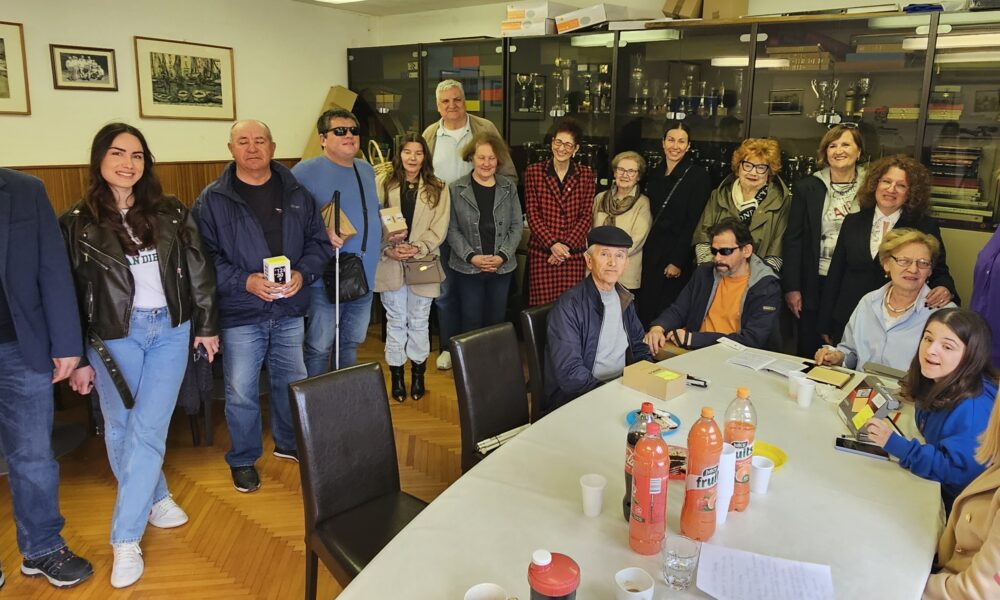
column 322, row 328
column 244, row 350
column 448, row 313
column 483, row 298
column 406, row 329
column 152, row 359
column 26, row 438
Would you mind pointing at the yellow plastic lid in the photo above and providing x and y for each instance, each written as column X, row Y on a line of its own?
column 707, row 412
column 742, row 392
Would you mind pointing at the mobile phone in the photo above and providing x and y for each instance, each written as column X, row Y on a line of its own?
column 846, row 444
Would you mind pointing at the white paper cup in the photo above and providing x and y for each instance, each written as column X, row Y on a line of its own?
column 807, row 388
column 634, row 584
column 727, row 483
column 760, row 474
column 592, row 487
column 486, row 591
column 794, row 379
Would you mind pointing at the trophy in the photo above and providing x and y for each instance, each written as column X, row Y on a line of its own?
column 703, row 110
column 557, row 104
column 864, row 89
column 635, row 91
column 738, row 109
column 537, row 93
column 833, row 116
column 587, row 104
column 604, row 97
column 563, row 77
column 524, row 80
column 668, row 100
column 821, row 90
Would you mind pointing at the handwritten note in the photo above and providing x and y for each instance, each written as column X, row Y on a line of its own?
column 728, row 574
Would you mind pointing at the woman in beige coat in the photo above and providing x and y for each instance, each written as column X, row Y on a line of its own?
column 425, row 204
column 968, row 555
column 626, row 207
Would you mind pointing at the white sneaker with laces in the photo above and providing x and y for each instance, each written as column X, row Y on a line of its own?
column 166, row 514
column 128, row 565
column 444, row 361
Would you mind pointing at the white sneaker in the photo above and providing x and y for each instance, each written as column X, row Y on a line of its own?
column 444, row 361
column 166, row 514
column 128, row 565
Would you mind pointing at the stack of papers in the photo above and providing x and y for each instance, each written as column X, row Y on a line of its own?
column 757, row 362
column 727, row 574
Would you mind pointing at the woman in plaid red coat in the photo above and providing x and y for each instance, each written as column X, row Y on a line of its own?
column 559, row 196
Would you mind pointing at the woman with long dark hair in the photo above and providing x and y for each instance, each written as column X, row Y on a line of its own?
column 425, row 204
column 145, row 286
column 953, row 386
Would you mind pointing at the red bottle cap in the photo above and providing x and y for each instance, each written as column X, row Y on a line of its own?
column 647, row 407
column 553, row 574
column 653, row 429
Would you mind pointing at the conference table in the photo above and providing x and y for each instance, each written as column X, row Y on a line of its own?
column 874, row 523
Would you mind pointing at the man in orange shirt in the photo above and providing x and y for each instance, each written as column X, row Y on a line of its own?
column 736, row 295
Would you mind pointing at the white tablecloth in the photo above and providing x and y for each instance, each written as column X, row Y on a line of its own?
column 873, row 522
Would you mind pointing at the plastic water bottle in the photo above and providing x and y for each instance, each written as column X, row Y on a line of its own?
column 650, row 474
column 635, row 432
column 704, row 450
column 740, row 429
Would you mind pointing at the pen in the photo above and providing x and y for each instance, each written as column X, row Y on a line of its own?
column 894, row 426
column 702, row 383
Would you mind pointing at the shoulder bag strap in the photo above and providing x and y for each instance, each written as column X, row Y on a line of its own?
column 364, row 210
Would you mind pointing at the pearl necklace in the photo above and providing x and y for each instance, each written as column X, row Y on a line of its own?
column 892, row 309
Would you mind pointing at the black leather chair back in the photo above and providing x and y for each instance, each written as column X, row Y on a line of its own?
column 534, row 322
column 347, row 451
column 489, row 380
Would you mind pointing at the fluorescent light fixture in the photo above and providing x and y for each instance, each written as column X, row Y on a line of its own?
column 650, row 35
column 968, row 57
column 744, row 61
column 595, row 40
column 972, row 40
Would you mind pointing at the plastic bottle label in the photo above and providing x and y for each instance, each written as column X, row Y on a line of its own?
column 645, row 508
column 705, row 480
column 629, row 459
column 744, row 452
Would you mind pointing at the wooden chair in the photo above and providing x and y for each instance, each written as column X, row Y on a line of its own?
column 534, row 323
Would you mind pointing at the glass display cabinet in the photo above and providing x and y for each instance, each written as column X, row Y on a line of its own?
column 554, row 77
column 697, row 75
column 387, row 81
column 478, row 65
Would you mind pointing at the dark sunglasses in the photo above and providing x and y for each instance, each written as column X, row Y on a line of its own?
column 342, row 131
column 845, row 125
column 723, row 251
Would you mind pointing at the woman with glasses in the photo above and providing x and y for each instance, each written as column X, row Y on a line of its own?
column 819, row 205
column 895, row 193
column 755, row 195
column 885, row 327
column 624, row 206
column 146, row 288
column 677, row 196
column 558, row 199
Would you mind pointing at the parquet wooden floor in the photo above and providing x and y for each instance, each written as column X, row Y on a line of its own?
column 236, row 546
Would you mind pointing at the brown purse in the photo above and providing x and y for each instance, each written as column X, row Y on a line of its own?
column 417, row 271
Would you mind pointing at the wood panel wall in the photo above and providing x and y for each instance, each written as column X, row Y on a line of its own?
column 67, row 183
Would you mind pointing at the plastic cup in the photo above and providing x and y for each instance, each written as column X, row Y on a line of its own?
column 760, row 474
column 486, row 591
column 680, row 561
column 634, row 584
column 727, row 483
column 807, row 388
column 592, row 487
column 794, row 379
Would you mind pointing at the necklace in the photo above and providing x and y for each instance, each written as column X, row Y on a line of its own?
column 411, row 185
column 892, row 309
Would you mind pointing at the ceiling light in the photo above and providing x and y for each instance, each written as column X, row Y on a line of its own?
column 595, row 40
column 974, row 40
column 968, row 57
column 743, row 61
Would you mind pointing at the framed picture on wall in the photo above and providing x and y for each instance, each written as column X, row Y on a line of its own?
column 81, row 68
column 785, row 102
column 182, row 80
column 986, row 101
column 13, row 70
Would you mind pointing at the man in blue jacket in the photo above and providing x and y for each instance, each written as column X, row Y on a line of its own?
column 40, row 344
column 593, row 328
column 736, row 296
column 255, row 210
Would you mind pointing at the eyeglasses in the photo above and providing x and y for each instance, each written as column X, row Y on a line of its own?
column 748, row 166
column 626, row 172
column 905, row 262
column 342, row 131
column 723, row 251
column 890, row 184
column 561, row 144
column 845, row 125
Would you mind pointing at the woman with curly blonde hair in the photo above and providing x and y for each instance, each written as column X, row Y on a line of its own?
column 756, row 196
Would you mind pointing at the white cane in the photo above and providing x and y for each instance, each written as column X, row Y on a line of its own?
column 336, row 279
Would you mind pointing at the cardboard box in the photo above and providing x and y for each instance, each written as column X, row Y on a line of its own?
column 724, row 9
column 393, row 221
column 536, row 10
column 347, row 230
column 682, row 9
column 651, row 379
column 589, row 17
column 278, row 269
column 337, row 97
column 525, row 27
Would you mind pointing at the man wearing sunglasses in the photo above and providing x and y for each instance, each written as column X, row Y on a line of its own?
column 736, row 295
column 338, row 169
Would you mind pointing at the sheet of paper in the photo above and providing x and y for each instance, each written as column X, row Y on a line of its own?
column 731, row 344
column 784, row 367
column 862, row 416
column 751, row 359
column 859, row 403
column 728, row 574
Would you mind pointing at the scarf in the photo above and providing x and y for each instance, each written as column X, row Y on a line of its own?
column 612, row 206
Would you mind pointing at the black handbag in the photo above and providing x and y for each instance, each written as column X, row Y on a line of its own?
column 353, row 281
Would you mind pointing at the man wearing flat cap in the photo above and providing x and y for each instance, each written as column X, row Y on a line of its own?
column 593, row 328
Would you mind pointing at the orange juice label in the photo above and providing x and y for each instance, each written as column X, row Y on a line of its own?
column 744, row 449
column 705, row 480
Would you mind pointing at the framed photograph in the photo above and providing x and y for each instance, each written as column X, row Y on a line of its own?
column 80, row 68
column 986, row 101
column 181, row 80
column 785, row 102
column 13, row 70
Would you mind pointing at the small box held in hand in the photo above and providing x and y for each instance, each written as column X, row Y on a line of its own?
column 393, row 221
column 654, row 380
column 347, row 230
column 277, row 269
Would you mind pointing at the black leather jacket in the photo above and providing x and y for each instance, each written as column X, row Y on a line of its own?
column 104, row 285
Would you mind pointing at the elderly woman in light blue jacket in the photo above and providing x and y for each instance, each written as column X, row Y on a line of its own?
column 484, row 232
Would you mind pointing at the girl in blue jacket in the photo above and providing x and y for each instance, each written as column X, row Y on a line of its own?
column 953, row 385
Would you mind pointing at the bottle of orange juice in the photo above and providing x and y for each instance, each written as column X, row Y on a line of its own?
column 650, row 472
column 704, row 450
column 741, row 425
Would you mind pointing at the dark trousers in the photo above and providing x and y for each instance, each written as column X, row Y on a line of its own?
column 482, row 298
column 449, row 316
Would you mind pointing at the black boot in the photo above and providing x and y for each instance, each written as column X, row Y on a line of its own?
column 398, row 382
column 417, row 371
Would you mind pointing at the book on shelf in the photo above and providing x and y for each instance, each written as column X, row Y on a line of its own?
column 806, row 49
column 879, row 47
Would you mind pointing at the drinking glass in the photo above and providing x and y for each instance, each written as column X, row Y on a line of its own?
column 680, row 561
